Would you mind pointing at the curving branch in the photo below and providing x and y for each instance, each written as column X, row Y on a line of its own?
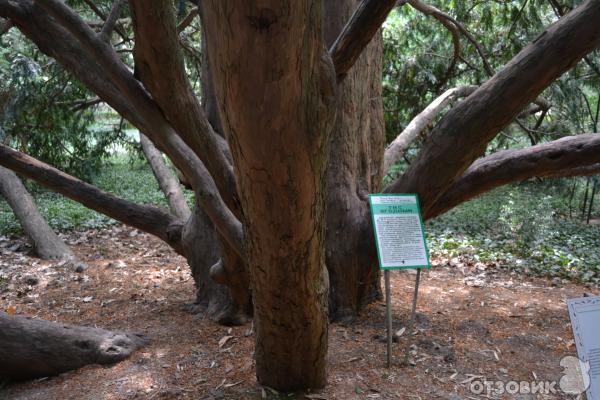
column 358, row 32
column 570, row 156
column 191, row 126
column 396, row 149
column 451, row 27
column 469, row 126
column 153, row 220
column 447, row 19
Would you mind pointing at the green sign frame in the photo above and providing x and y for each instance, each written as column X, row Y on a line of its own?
column 398, row 205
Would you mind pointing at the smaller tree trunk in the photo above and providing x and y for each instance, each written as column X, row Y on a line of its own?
column 571, row 198
column 166, row 179
column 585, row 198
column 33, row 348
column 589, row 214
column 46, row 243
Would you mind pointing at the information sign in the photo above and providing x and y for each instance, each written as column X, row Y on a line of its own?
column 399, row 233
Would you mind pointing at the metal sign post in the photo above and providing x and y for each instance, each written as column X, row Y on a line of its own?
column 388, row 312
column 400, row 242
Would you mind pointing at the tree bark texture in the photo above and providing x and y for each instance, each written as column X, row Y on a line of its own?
column 276, row 87
column 354, row 170
column 33, row 348
column 46, row 244
column 216, row 290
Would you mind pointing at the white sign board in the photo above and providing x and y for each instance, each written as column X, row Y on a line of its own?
column 399, row 233
column 585, row 320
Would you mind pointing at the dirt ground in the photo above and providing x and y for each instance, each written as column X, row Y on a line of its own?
column 474, row 323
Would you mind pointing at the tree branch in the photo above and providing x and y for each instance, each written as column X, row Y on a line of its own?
column 358, row 32
column 187, row 20
column 149, row 219
column 100, row 14
column 160, row 67
column 396, row 149
column 469, row 126
column 97, row 66
column 450, row 26
column 166, row 179
column 46, row 243
column 111, row 20
column 442, row 16
column 569, row 156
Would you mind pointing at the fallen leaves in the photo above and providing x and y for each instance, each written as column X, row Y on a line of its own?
column 224, row 340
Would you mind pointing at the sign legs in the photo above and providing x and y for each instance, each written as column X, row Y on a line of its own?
column 388, row 311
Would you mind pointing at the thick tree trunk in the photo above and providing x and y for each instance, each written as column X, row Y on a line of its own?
column 46, row 243
column 166, row 179
column 32, row 348
column 354, row 171
column 275, row 83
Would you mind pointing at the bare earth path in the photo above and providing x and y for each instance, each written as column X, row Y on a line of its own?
column 474, row 323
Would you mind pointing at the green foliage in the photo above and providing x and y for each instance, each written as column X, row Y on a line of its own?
column 418, row 51
column 524, row 227
column 47, row 114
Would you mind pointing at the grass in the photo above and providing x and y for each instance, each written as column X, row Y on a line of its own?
column 523, row 227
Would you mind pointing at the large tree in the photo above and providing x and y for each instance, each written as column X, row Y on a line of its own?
column 286, row 145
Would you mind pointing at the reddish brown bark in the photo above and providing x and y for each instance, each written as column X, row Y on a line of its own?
column 149, row 219
column 275, row 95
column 354, row 171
